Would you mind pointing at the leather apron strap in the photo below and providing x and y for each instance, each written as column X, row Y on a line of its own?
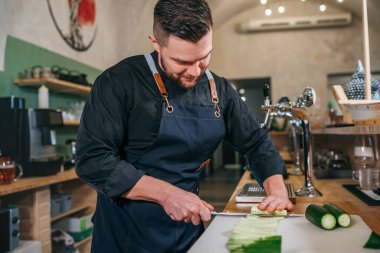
column 159, row 82
column 214, row 93
column 164, row 93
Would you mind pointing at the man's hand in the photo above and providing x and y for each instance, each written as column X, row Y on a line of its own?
column 185, row 206
column 277, row 195
column 180, row 205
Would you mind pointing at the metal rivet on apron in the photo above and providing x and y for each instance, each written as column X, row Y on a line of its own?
column 169, row 109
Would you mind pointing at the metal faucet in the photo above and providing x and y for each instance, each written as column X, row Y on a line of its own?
column 296, row 111
column 295, row 125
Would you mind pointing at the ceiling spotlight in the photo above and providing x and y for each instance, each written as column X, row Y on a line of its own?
column 340, row 1
column 303, row 1
column 263, row 1
column 322, row 7
column 281, row 9
column 268, row 12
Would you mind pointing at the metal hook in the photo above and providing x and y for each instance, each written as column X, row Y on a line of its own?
column 217, row 112
column 169, row 109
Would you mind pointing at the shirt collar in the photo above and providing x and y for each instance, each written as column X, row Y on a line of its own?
column 159, row 69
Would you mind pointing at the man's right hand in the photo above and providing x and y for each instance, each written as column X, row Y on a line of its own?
column 185, row 206
column 180, row 205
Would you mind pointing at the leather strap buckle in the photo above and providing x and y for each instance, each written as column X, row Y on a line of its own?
column 169, row 108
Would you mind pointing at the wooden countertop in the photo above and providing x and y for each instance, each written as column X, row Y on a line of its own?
column 332, row 191
column 36, row 182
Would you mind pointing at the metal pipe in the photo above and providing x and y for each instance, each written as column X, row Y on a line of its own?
column 295, row 148
column 296, row 111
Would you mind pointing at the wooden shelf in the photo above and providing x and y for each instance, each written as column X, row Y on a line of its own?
column 71, row 123
column 356, row 130
column 29, row 183
column 286, row 133
column 55, row 85
column 78, row 244
column 70, row 212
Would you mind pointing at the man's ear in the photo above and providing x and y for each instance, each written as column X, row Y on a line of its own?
column 154, row 42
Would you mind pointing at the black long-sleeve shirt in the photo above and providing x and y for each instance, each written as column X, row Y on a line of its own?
column 121, row 120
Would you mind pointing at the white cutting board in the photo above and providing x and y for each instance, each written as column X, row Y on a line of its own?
column 298, row 236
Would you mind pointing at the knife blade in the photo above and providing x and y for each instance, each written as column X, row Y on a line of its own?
column 291, row 215
column 227, row 214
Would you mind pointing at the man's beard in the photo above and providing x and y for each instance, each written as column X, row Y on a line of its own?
column 177, row 78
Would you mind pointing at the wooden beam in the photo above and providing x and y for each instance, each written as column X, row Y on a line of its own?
column 367, row 59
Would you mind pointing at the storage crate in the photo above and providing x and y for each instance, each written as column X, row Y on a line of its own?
column 75, row 224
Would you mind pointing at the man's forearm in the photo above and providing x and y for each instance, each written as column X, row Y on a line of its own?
column 179, row 204
column 149, row 188
column 274, row 184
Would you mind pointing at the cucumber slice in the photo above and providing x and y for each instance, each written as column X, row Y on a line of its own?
column 343, row 218
column 270, row 244
column 320, row 217
column 373, row 241
column 255, row 234
column 255, row 210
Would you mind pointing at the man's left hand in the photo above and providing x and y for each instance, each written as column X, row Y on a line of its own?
column 277, row 195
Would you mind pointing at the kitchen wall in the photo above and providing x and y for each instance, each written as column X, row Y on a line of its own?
column 293, row 59
column 118, row 23
column 21, row 55
column 28, row 37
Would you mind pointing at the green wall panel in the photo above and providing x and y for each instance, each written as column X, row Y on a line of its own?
column 21, row 55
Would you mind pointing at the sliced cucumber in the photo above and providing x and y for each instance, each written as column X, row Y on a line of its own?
column 271, row 244
column 320, row 216
column 373, row 241
column 255, row 210
column 340, row 215
column 255, row 234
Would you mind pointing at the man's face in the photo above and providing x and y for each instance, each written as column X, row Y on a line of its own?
column 185, row 62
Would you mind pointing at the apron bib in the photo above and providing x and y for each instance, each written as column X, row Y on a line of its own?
column 187, row 138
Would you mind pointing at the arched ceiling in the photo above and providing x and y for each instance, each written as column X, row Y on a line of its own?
column 223, row 10
column 133, row 38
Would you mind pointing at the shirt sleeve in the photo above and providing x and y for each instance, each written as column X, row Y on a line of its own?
column 244, row 133
column 101, row 135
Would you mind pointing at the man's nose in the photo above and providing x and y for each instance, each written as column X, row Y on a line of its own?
column 195, row 69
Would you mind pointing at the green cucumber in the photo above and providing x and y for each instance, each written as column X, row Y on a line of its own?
column 271, row 244
column 320, row 216
column 255, row 234
column 256, row 210
column 373, row 241
column 343, row 218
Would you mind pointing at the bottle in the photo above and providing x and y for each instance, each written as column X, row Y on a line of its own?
column 43, row 97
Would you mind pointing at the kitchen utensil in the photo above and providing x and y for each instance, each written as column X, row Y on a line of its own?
column 214, row 213
column 260, row 215
column 8, row 170
column 255, row 193
column 365, row 171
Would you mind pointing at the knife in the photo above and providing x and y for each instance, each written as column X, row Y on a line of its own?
column 291, row 215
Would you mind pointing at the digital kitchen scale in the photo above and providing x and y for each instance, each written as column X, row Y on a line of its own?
column 255, row 193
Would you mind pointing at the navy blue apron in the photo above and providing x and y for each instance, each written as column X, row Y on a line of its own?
column 187, row 138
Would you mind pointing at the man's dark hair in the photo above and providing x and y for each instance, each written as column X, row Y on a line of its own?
column 189, row 20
